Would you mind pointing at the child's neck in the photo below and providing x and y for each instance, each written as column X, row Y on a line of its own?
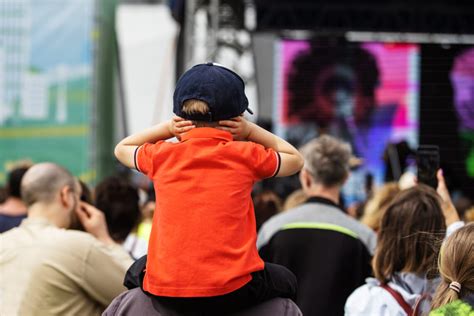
column 206, row 124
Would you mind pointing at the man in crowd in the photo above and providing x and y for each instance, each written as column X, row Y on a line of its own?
column 328, row 251
column 13, row 210
column 47, row 269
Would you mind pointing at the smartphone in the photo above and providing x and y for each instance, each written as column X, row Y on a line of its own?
column 427, row 162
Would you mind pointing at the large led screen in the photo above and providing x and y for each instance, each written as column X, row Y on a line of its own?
column 364, row 93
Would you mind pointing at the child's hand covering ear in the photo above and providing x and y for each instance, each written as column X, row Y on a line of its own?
column 179, row 126
column 238, row 126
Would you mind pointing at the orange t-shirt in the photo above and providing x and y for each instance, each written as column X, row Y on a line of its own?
column 203, row 237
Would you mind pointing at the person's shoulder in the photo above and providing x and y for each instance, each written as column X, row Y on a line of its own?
column 275, row 306
column 10, row 234
column 135, row 302
column 240, row 145
column 363, row 232
column 250, row 153
column 369, row 299
column 159, row 147
column 82, row 245
column 49, row 239
column 361, row 228
column 370, row 288
column 285, row 217
column 129, row 302
column 278, row 221
column 74, row 240
column 246, row 146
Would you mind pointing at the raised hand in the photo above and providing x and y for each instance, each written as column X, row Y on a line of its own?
column 94, row 222
column 449, row 211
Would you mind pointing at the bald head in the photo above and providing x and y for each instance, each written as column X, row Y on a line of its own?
column 43, row 181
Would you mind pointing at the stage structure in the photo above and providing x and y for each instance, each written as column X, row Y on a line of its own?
column 398, row 65
column 423, row 16
column 220, row 31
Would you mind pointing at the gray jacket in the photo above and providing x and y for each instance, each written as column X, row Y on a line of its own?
column 135, row 302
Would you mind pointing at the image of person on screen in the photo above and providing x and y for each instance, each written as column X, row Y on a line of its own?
column 333, row 85
column 332, row 90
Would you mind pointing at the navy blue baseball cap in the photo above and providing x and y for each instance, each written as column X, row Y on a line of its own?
column 221, row 88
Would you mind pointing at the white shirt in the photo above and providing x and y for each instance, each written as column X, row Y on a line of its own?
column 137, row 247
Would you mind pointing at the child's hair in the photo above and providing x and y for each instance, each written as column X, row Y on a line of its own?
column 194, row 106
column 409, row 233
column 456, row 264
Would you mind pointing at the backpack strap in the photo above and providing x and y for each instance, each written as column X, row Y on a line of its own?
column 422, row 298
column 399, row 298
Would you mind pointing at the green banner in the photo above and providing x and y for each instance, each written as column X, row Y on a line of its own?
column 46, row 83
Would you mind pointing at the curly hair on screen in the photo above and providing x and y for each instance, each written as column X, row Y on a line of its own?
column 310, row 64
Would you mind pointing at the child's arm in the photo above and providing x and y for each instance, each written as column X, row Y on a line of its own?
column 125, row 149
column 291, row 160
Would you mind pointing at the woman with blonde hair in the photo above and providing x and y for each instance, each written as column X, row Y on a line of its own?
column 469, row 215
column 456, row 267
column 376, row 206
column 296, row 198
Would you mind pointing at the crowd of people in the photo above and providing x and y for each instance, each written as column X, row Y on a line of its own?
column 217, row 244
